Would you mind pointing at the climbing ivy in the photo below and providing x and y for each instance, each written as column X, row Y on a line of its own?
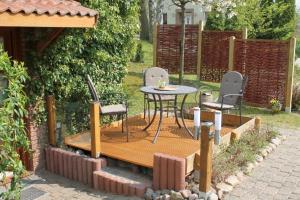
column 102, row 52
column 12, row 128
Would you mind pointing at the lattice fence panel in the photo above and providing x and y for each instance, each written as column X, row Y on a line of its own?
column 168, row 52
column 265, row 62
column 215, row 54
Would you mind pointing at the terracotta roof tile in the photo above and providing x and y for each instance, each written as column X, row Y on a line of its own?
column 50, row 7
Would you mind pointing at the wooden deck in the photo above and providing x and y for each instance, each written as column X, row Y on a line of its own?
column 140, row 150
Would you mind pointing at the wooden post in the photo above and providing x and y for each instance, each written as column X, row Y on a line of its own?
column 231, row 53
column 155, row 27
column 95, row 130
column 206, row 153
column 51, row 119
column 199, row 61
column 290, row 76
column 257, row 123
column 245, row 33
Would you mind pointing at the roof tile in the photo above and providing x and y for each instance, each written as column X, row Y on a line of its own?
column 51, row 7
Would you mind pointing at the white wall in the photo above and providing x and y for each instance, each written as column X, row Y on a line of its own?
column 170, row 9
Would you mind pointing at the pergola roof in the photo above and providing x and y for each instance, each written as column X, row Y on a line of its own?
column 46, row 13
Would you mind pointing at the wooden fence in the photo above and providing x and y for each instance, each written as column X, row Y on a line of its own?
column 269, row 64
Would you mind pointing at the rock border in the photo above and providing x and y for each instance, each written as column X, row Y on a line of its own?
column 220, row 189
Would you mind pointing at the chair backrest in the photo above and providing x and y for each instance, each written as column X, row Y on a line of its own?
column 92, row 88
column 153, row 75
column 232, row 83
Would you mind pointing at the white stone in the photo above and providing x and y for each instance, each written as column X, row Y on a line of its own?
column 224, row 187
column 149, row 193
column 220, row 194
column 249, row 168
column 176, row 196
column 166, row 197
column 259, row 158
column 264, row 152
column 213, row 196
column 276, row 141
column 273, row 146
column 165, row 191
column 193, row 196
column 185, row 193
column 232, row 180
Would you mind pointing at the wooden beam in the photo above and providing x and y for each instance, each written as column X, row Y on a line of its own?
column 8, row 19
column 231, row 53
column 206, row 153
column 155, row 27
column 42, row 45
column 51, row 119
column 199, row 58
column 290, row 76
column 95, row 130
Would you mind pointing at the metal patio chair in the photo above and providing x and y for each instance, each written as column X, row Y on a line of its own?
column 231, row 93
column 109, row 110
column 151, row 77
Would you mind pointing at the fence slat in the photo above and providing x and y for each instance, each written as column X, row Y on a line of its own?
column 290, row 76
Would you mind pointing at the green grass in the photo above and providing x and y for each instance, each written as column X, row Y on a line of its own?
column 134, row 81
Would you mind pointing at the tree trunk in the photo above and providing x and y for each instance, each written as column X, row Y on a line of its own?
column 144, row 20
column 151, row 19
column 182, row 44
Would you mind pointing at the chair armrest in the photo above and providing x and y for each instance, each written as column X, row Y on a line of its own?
column 228, row 95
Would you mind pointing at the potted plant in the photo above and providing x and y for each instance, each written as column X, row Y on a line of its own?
column 275, row 105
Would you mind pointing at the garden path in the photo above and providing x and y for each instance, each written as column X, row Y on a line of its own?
column 277, row 177
column 59, row 188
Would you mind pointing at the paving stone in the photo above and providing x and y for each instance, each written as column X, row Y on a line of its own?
column 232, row 180
column 277, row 176
column 224, row 187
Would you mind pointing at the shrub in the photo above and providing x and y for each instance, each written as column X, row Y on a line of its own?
column 12, row 127
column 139, row 55
column 298, row 49
column 296, row 96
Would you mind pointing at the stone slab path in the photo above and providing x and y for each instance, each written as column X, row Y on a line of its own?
column 60, row 188
column 277, row 177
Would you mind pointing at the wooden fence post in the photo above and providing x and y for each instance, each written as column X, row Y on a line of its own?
column 245, row 34
column 155, row 26
column 206, row 153
column 231, row 53
column 290, row 76
column 95, row 130
column 199, row 56
column 51, row 119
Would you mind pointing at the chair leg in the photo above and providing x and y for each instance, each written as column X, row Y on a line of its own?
column 122, row 123
column 149, row 111
column 144, row 107
column 168, row 109
column 127, row 127
column 240, row 115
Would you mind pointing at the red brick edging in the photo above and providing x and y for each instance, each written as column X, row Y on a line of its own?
column 168, row 172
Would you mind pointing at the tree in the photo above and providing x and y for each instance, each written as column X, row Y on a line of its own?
column 144, row 20
column 265, row 19
column 221, row 5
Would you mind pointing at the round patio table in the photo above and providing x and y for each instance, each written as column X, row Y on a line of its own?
column 157, row 93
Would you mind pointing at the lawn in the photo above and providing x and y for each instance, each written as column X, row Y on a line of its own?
column 134, row 81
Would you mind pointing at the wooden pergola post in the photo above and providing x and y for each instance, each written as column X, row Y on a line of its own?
column 290, row 76
column 51, row 119
column 231, row 53
column 206, row 152
column 199, row 61
column 95, row 129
